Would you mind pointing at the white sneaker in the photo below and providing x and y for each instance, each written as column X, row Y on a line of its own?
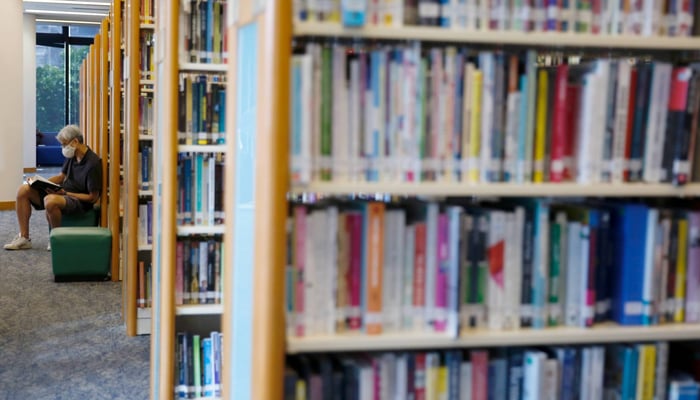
column 48, row 248
column 19, row 243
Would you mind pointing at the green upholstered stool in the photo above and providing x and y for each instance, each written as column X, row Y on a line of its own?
column 80, row 253
column 88, row 218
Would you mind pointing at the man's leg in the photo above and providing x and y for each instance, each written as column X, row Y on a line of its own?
column 54, row 204
column 25, row 197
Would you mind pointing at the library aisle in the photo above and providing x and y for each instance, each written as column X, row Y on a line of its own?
column 62, row 340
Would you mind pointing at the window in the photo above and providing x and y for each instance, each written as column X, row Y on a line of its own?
column 59, row 52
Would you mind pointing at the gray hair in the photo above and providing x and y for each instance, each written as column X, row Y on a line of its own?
column 68, row 133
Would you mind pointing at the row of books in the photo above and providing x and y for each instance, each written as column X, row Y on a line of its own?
column 145, row 165
column 198, row 366
column 198, row 270
column 145, row 279
column 203, row 36
column 410, row 113
column 147, row 45
column 145, row 232
column 146, row 114
column 619, row 371
column 200, row 189
column 376, row 267
column 202, row 108
column 613, row 17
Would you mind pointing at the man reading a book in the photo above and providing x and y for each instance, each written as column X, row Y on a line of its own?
column 77, row 187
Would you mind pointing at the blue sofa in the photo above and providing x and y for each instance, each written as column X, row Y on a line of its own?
column 48, row 149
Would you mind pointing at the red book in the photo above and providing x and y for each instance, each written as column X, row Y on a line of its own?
column 572, row 113
column 355, row 271
column 559, row 125
column 480, row 374
column 420, row 374
column 630, row 122
column 419, row 267
column 299, row 265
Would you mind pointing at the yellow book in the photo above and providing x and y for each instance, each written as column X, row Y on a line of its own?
column 442, row 383
column 646, row 368
column 475, row 126
column 466, row 118
column 541, row 126
column 431, row 379
column 681, row 265
column 301, row 390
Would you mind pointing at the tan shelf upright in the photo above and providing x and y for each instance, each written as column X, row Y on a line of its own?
column 165, row 199
column 131, row 162
column 115, row 135
column 274, row 34
column 103, row 147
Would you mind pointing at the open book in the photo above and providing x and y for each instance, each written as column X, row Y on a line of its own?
column 42, row 184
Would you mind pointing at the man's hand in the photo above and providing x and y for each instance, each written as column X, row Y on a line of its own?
column 59, row 191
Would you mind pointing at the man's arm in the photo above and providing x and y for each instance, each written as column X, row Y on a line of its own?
column 58, row 179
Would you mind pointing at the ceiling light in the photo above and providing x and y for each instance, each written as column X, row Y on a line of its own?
column 65, row 13
column 70, row 3
column 66, row 22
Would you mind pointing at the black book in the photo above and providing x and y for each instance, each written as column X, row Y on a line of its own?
column 43, row 185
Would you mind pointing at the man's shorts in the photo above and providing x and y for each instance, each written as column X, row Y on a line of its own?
column 73, row 205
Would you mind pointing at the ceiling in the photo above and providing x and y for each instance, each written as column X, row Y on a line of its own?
column 69, row 11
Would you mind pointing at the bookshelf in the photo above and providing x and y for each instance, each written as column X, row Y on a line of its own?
column 254, row 364
column 139, row 96
column 190, row 152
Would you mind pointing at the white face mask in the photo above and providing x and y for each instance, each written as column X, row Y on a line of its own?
column 68, row 151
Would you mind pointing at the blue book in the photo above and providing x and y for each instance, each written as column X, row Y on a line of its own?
column 515, row 374
column 683, row 388
column 453, row 361
column 628, row 277
column 222, row 116
column 568, row 359
column 540, row 263
column 207, row 368
column 353, row 12
column 630, row 361
column 182, row 366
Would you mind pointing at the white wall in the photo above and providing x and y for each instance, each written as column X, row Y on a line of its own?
column 29, row 81
column 12, row 131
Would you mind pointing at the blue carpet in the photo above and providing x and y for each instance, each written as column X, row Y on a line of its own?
column 62, row 340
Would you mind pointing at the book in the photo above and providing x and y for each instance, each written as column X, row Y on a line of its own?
column 43, row 185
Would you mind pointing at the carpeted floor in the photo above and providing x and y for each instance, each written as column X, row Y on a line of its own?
column 62, row 340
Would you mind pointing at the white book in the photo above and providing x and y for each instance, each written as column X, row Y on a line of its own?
column 400, row 388
column 573, row 266
column 409, row 255
column 587, row 310
column 391, row 13
column 648, row 310
column 387, row 371
column 431, row 264
column 622, row 99
column 533, row 375
column 211, row 190
column 314, row 50
column 599, row 118
column 495, row 289
column 655, row 132
column 447, row 116
column 586, row 388
column 410, row 156
column 366, row 382
column 302, row 130
column 585, row 142
column 331, row 270
column 597, row 372
column 513, row 122
column 143, row 224
column 662, row 349
column 465, row 381
column 454, row 214
column 550, row 383
column 355, row 124
column 613, row 18
column 486, row 65
column 340, row 135
column 513, row 268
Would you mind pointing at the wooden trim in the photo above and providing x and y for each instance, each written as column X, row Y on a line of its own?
column 229, row 208
column 104, row 118
column 131, row 152
column 29, row 170
column 115, row 144
column 163, row 333
column 7, row 205
column 271, row 208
